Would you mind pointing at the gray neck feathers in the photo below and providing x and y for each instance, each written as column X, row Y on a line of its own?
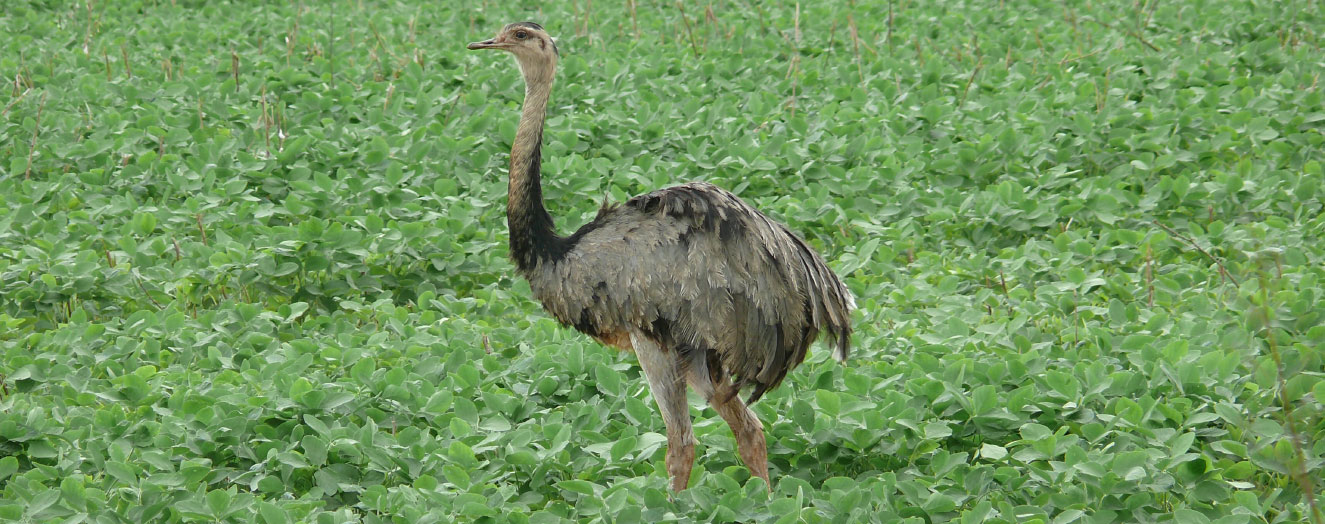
column 533, row 234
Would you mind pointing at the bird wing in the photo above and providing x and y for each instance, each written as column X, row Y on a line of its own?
column 704, row 273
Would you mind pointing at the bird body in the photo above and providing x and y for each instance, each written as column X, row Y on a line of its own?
column 705, row 289
column 698, row 270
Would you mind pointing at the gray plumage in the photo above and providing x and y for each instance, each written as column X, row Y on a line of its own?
column 705, row 289
column 705, row 273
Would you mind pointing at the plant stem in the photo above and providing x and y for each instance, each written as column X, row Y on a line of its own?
column 36, row 130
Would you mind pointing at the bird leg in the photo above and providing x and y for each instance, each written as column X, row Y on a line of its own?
column 667, row 383
column 745, row 426
column 747, row 429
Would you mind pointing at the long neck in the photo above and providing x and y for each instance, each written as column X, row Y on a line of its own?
column 533, row 234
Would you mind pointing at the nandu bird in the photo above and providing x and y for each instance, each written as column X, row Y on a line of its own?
column 705, row 289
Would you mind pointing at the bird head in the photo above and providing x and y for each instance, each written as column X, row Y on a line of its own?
column 534, row 50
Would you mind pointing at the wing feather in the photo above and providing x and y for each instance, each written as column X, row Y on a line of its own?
column 700, row 270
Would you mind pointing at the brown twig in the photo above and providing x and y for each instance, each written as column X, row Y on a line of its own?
column 855, row 48
column 124, row 52
column 795, row 72
column 1299, row 473
column 634, row 24
column 759, row 10
column 1078, row 57
column 712, row 19
column 890, row 27
column 390, row 90
column 1101, row 95
column 796, row 26
column 16, row 100
column 293, row 35
column 203, row 232
column 459, row 91
column 920, row 52
column 1076, row 317
column 1222, row 271
column 382, row 43
column 794, row 69
column 1128, row 32
column 331, row 50
column 87, row 37
column 1150, row 277
column 587, row 20
column 279, row 113
column 693, row 46
column 978, row 64
column 1150, row 14
column 234, row 67
column 139, row 281
column 36, row 129
column 266, row 122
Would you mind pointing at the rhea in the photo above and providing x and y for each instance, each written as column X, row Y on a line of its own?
column 701, row 286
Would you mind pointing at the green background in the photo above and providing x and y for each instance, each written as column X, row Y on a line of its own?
column 253, row 259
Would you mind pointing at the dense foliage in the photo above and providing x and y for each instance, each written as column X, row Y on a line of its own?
column 253, row 259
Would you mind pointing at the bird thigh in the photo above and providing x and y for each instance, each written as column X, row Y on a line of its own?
column 699, row 377
column 667, row 383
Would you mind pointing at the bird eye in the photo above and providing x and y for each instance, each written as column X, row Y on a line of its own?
column 521, row 35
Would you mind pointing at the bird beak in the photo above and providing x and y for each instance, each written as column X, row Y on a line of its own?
column 487, row 44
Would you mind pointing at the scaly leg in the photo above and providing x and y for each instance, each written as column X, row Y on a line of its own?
column 667, row 383
column 745, row 426
column 747, row 429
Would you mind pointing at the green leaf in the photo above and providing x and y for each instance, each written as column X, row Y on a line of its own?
column 1187, row 516
column 582, row 487
column 461, row 453
column 456, row 475
column 144, row 223
column 73, row 494
column 993, row 452
column 122, row 472
column 609, row 381
column 218, row 501
column 300, row 388
column 1033, row 432
column 937, row 430
column 1267, row 428
column 1181, row 443
column 272, row 514
column 315, row 450
column 803, row 415
column 623, row 447
column 476, row 509
column 8, row 465
column 638, row 412
column 828, row 402
column 1129, row 465
column 460, row 428
column 439, row 403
